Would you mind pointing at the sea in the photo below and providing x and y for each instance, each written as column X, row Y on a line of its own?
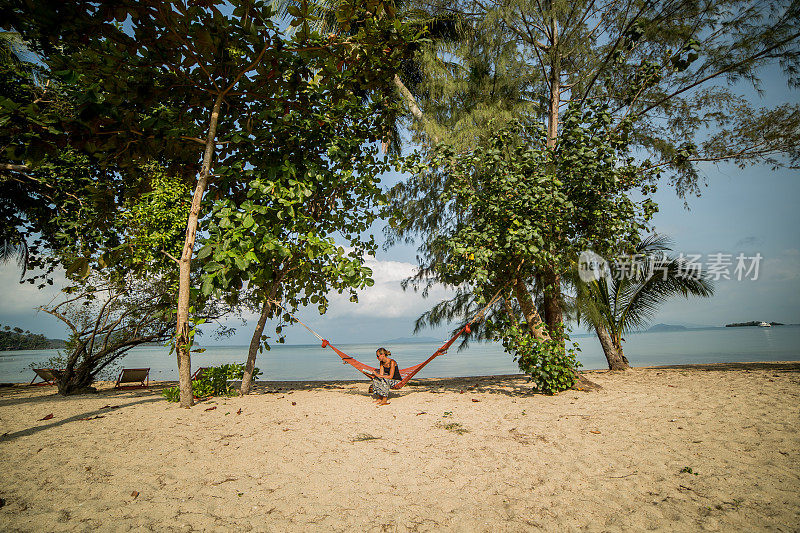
column 313, row 363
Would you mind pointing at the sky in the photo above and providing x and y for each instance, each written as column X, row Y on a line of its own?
column 749, row 211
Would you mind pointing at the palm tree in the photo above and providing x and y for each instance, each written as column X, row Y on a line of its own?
column 14, row 249
column 627, row 299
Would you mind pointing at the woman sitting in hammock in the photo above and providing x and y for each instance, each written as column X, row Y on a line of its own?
column 387, row 375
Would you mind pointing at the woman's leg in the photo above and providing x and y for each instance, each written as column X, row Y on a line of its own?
column 377, row 388
column 382, row 390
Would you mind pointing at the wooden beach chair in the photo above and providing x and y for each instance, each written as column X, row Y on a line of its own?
column 133, row 375
column 199, row 373
column 49, row 376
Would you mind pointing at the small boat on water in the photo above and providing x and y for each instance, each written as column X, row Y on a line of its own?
column 764, row 325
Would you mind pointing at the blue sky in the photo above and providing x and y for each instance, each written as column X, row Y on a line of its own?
column 751, row 210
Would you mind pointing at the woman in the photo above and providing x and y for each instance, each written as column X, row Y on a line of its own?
column 387, row 375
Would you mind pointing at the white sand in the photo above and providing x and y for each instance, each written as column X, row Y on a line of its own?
column 606, row 460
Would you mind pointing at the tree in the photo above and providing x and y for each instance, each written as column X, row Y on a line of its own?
column 440, row 25
column 180, row 75
column 626, row 297
column 106, row 320
column 510, row 219
column 644, row 63
column 278, row 238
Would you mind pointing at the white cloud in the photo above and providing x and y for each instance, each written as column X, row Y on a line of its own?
column 386, row 298
column 19, row 303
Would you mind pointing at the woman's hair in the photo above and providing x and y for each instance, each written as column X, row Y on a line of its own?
column 384, row 351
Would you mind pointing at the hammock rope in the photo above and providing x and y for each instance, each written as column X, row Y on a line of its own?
column 405, row 373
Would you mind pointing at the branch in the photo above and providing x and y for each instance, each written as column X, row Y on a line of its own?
column 170, row 256
column 720, row 72
column 14, row 168
column 60, row 317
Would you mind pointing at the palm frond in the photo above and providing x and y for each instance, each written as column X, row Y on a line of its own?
column 629, row 300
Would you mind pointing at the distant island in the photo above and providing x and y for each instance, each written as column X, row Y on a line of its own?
column 752, row 323
column 411, row 340
column 666, row 327
column 18, row 339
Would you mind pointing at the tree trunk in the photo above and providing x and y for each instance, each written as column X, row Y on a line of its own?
column 182, row 337
column 73, row 381
column 411, row 102
column 535, row 324
column 255, row 343
column 551, row 281
column 618, row 347
column 615, row 359
column 553, row 313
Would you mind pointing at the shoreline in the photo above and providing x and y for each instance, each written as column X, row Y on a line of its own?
column 310, row 384
column 417, row 382
column 675, row 448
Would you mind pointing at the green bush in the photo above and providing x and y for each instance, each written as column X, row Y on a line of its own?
column 551, row 367
column 214, row 382
column 172, row 394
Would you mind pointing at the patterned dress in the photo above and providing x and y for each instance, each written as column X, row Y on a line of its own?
column 382, row 386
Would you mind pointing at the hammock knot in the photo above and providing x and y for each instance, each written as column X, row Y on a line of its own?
column 467, row 329
column 325, row 343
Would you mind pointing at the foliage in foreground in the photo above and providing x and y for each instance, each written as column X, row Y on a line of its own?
column 213, row 382
column 552, row 367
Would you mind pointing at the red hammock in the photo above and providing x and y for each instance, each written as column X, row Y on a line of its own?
column 405, row 373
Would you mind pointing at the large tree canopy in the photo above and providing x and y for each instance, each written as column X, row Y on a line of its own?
column 666, row 70
column 204, row 89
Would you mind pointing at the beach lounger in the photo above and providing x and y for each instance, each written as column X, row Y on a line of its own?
column 49, row 376
column 133, row 375
column 199, row 372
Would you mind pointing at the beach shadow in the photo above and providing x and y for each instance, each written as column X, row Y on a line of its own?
column 509, row 385
column 512, row 385
column 74, row 418
column 274, row 387
column 23, row 394
column 782, row 366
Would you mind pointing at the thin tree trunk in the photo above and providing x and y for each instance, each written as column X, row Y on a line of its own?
column 615, row 359
column 255, row 341
column 182, row 338
column 618, row 347
column 534, row 321
column 411, row 102
column 551, row 282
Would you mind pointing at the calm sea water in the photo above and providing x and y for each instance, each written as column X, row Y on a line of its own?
column 311, row 362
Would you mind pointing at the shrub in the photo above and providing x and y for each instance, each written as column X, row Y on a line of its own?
column 214, row 382
column 551, row 367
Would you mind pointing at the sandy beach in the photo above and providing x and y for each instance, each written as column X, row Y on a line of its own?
column 701, row 447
